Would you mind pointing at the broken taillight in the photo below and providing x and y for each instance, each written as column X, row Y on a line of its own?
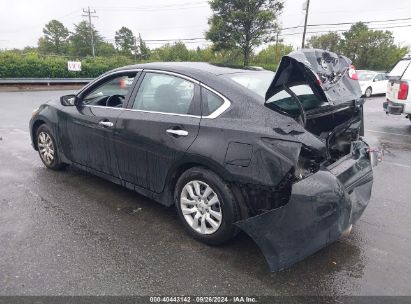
column 403, row 91
column 352, row 72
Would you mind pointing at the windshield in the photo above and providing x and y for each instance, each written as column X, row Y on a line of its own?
column 257, row 81
column 365, row 76
column 399, row 68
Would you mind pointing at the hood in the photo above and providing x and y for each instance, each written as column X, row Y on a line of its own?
column 331, row 77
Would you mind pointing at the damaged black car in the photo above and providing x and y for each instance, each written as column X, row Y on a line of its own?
column 279, row 156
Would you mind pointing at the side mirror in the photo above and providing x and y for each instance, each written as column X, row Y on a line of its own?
column 375, row 80
column 69, row 100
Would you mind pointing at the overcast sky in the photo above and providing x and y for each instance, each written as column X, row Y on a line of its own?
column 21, row 21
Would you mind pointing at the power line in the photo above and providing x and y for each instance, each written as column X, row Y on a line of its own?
column 90, row 14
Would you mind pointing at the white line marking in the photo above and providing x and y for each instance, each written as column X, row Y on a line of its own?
column 373, row 131
column 396, row 164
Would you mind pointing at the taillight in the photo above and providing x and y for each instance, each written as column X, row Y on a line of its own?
column 352, row 73
column 403, row 91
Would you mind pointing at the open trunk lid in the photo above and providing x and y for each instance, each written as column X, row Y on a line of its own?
column 320, row 90
column 331, row 78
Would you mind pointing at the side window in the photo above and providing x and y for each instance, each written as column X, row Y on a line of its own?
column 165, row 93
column 210, row 101
column 110, row 93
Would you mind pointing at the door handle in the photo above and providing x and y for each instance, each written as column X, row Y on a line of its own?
column 177, row 132
column 105, row 123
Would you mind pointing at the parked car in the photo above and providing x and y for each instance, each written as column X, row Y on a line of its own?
column 278, row 156
column 398, row 98
column 372, row 83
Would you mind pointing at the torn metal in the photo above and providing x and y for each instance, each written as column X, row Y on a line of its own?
column 321, row 207
column 332, row 182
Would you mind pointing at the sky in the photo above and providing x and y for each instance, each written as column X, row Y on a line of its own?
column 22, row 21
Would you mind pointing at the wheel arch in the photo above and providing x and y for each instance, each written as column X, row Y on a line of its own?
column 36, row 126
column 198, row 161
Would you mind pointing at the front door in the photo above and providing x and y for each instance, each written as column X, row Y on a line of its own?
column 87, row 129
column 162, row 122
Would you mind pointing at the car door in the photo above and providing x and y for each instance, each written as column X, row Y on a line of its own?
column 86, row 129
column 160, row 125
column 379, row 85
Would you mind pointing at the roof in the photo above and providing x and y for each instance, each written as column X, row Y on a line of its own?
column 192, row 67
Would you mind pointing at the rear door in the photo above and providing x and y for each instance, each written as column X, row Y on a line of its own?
column 380, row 84
column 161, row 123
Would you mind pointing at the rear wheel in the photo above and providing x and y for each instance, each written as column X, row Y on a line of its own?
column 206, row 206
column 47, row 148
column 368, row 92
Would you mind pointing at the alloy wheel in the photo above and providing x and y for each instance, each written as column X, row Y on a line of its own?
column 46, row 147
column 201, row 207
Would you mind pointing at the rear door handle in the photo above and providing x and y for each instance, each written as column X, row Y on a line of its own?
column 177, row 132
column 105, row 123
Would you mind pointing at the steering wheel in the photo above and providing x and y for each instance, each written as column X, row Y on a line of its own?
column 119, row 98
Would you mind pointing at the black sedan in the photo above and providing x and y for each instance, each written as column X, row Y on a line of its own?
column 279, row 156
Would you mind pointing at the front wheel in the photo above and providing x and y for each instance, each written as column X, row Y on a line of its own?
column 206, row 206
column 368, row 92
column 47, row 148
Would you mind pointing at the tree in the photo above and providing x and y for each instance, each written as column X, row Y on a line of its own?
column 173, row 52
column 273, row 53
column 371, row 49
column 81, row 40
column 330, row 42
column 55, row 38
column 243, row 24
column 144, row 51
column 125, row 41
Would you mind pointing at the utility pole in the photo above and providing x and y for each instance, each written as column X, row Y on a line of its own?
column 89, row 14
column 307, row 6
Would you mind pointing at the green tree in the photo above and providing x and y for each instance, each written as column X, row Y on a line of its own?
column 143, row 50
column 105, row 49
column 272, row 53
column 330, row 42
column 172, row 52
column 371, row 49
column 81, row 40
column 125, row 41
column 243, row 24
column 55, row 38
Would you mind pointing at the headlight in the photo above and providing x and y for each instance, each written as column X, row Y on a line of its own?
column 34, row 112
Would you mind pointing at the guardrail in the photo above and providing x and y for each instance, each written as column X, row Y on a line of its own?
column 45, row 81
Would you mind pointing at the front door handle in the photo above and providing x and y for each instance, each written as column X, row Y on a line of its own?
column 177, row 132
column 105, row 123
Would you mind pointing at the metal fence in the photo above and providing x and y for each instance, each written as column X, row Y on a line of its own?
column 44, row 81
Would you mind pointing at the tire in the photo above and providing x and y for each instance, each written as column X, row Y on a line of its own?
column 218, row 207
column 47, row 148
column 368, row 92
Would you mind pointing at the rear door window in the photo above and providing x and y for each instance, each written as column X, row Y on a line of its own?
column 166, row 94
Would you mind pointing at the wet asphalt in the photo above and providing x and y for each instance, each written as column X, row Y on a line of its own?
column 70, row 233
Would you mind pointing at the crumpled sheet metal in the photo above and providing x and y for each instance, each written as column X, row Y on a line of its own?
column 320, row 209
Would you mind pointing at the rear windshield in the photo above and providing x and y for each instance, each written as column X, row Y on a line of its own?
column 284, row 102
column 400, row 68
column 257, row 81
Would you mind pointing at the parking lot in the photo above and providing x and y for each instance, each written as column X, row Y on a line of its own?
column 70, row 233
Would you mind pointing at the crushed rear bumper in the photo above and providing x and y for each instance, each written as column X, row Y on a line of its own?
column 321, row 208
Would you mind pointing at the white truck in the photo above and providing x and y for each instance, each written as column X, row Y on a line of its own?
column 398, row 97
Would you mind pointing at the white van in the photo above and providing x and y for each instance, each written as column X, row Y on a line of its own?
column 398, row 97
